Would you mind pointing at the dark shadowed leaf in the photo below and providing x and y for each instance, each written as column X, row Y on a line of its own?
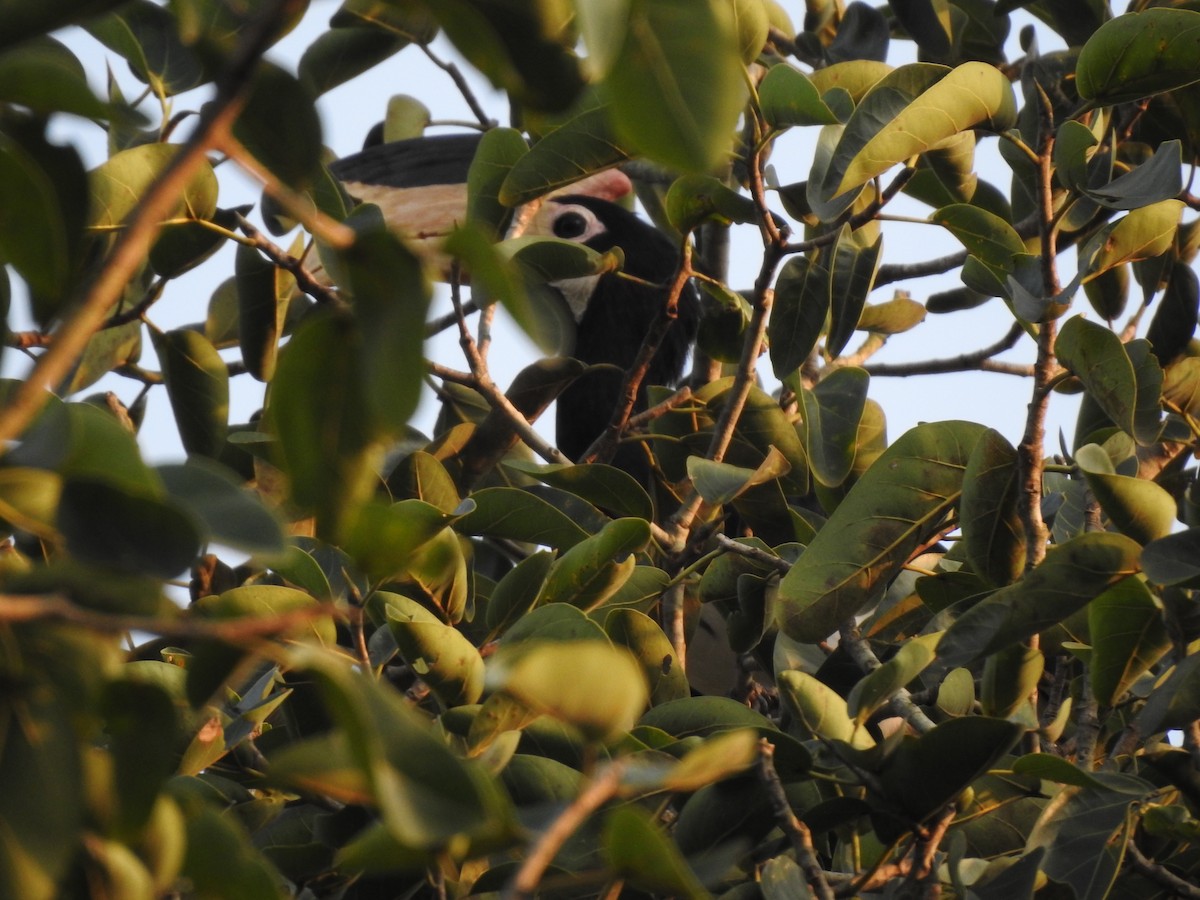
column 1174, row 559
column 1125, row 391
column 340, row 54
column 197, row 382
column 892, row 508
column 1159, row 178
column 263, row 295
column 833, row 410
column 798, row 317
column 1072, row 575
column 927, row 772
column 992, row 531
column 604, row 486
column 1128, row 637
column 319, row 412
column 851, row 278
column 232, row 515
column 125, row 530
column 580, row 146
column 146, row 36
column 639, row 851
column 520, row 516
column 280, row 127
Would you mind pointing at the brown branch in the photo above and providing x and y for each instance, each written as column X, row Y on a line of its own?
column 859, row 219
column 142, row 225
column 901, row 703
column 964, row 362
column 1159, row 874
column 16, row 608
column 602, row 789
column 755, row 553
column 461, row 83
column 798, row 833
column 904, row 271
column 305, row 279
column 491, row 393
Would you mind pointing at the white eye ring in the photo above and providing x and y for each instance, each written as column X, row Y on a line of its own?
column 572, row 222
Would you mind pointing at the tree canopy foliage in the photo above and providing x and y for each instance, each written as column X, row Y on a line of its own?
column 806, row 658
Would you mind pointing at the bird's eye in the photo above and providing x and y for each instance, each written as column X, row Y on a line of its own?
column 570, row 225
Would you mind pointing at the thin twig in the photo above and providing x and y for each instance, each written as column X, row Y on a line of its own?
column 798, row 833
column 964, row 362
column 1159, row 874
column 901, row 703
column 602, row 789
column 755, row 553
column 305, row 279
column 461, row 83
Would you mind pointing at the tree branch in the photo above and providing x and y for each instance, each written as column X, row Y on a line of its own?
column 965, row 362
column 798, row 833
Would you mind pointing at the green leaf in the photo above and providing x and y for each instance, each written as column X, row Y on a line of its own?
column 1009, row 678
column 391, row 297
column 896, row 505
column 25, row 20
column 798, row 317
column 1174, row 559
column 720, row 756
column 703, row 716
column 1127, row 393
column 126, row 530
column 146, row 36
column 197, row 382
column 1137, row 507
column 1139, row 54
column 341, row 54
column 643, row 637
column 42, row 816
column 818, row 710
column 782, row 879
column 1175, row 701
column 106, row 350
column 118, row 185
column 592, row 685
column 721, row 483
column 280, row 127
column 263, row 295
column 1084, row 833
column 319, row 411
column 592, row 570
column 640, row 853
column 851, row 278
column 525, row 50
column 1144, row 233
column 987, row 237
column 663, row 104
column 44, row 213
column 956, row 693
column 601, row 485
column 1074, row 145
column 500, row 150
column 833, row 411
column 583, row 145
column 231, row 514
column 438, row 654
column 520, row 516
column 1159, row 178
column 29, row 498
column 968, row 96
column 895, row 316
column 1128, row 637
column 926, row 773
column 382, row 538
column 515, row 593
column 1072, row 575
column 44, row 76
column 695, row 199
column 876, row 689
column 787, row 97
column 992, row 532
column 555, row 622
column 1054, row 768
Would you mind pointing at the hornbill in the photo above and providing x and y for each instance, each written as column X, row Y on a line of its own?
column 420, row 185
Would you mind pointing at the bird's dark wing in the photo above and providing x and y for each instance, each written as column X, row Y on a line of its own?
column 420, row 162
